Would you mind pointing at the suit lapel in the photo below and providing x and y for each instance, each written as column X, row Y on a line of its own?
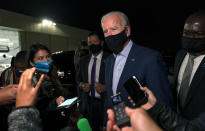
column 179, row 61
column 87, row 61
column 102, row 69
column 196, row 80
column 110, row 72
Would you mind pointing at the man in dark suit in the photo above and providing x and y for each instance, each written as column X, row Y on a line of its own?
column 190, row 90
column 91, row 89
column 131, row 59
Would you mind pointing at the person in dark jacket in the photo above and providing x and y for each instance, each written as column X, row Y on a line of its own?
column 170, row 120
column 91, row 82
column 189, row 68
column 128, row 59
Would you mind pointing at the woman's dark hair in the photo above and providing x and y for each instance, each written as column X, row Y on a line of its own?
column 33, row 50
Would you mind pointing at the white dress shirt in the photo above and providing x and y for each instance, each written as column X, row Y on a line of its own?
column 97, row 71
column 120, row 61
column 197, row 62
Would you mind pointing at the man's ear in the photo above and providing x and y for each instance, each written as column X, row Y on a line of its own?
column 128, row 31
column 31, row 63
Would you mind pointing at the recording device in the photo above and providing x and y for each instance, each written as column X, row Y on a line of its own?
column 132, row 86
column 35, row 78
column 83, row 125
column 119, row 109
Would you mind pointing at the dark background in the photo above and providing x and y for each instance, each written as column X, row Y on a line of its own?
column 155, row 24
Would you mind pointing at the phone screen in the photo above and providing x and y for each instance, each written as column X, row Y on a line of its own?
column 68, row 102
column 132, row 86
column 116, row 99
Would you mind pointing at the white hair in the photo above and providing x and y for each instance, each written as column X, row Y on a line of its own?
column 123, row 17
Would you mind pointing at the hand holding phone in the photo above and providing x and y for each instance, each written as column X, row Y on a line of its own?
column 132, row 87
column 35, row 78
column 68, row 103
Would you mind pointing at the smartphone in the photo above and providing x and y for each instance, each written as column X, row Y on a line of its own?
column 68, row 103
column 35, row 78
column 119, row 109
column 132, row 87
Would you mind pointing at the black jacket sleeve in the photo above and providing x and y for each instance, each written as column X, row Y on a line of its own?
column 169, row 120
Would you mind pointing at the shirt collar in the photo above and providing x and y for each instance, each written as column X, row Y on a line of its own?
column 99, row 56
column 198, row 57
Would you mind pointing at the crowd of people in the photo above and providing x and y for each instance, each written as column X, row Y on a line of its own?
column 30, row 90
column 50, row 95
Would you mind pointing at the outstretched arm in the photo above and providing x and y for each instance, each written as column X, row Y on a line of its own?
column 8, row 94
column 25, row 116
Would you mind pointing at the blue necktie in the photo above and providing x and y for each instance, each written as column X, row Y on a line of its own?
column 93, row 70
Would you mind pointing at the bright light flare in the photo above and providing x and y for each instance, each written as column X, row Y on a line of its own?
column 48, row 22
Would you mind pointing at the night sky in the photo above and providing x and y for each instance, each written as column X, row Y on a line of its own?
column 156, row 25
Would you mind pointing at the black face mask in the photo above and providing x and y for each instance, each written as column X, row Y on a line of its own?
column 95, row 48
column 194, row 45
column 115, row 42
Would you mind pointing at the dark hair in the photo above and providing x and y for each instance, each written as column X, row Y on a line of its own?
column 20, row 58
column 100, row 37
column 33, row 50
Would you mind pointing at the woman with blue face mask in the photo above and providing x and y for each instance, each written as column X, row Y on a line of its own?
column 51, row 91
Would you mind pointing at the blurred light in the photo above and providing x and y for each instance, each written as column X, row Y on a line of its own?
column 48, row 22
column 60, row 73
column 58, row 52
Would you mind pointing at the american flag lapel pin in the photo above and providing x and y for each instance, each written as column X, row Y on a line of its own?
column 133, row 59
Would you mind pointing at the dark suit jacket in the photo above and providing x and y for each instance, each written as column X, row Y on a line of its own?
column 82, row 76
column 194, row 103
column 148, row 66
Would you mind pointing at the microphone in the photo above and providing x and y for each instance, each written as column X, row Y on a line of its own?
column 83, row 125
